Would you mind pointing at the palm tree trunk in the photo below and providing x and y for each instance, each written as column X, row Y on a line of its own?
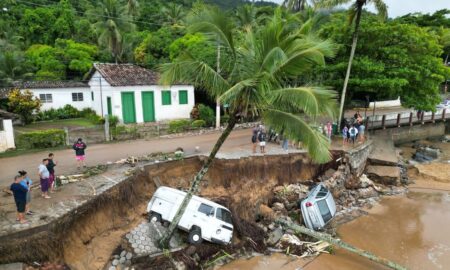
column 329, row 239
column 164, row 241
column 349, row 67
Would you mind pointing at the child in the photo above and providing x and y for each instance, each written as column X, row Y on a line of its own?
column 353, row 133
column 79, row 146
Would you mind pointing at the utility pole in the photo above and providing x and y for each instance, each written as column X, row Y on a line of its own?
column 217, row 100
column 101, row 95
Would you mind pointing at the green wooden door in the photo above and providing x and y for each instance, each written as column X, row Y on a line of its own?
column 148, row 107
column 108, row 102
column 128, row 107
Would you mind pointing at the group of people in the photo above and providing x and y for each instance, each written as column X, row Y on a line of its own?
column 354, row 131
column 259, row 136
column 21, row 187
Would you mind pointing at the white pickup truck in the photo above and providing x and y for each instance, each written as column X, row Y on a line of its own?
column 203, row 219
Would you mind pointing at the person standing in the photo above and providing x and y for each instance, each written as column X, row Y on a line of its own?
column 51, row 169
column 20, row 194
column 26, row 182
column 345, row 135
column 262, row 140
column 361, row 131
column 353, row 133
column 79, row 146
column 328, row 130
column 44, row 175
column 254, row 139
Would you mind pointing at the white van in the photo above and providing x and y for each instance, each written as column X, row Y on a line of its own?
column 203, row 219
column 318, row 208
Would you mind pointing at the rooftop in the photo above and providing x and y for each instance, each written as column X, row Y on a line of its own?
column 125, row 74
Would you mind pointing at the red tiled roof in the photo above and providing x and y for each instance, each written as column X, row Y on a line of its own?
column 126, row 74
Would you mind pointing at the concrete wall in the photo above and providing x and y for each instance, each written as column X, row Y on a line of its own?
column 357, row 158
column 162, row 112
column 7, row 136
column 63, row 96
column 417, row 132
column 386, row 103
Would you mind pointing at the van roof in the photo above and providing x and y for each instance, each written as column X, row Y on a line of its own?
column 163, row 189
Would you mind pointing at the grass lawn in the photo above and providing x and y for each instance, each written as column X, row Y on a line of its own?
column 18, row 152
column 58, row 124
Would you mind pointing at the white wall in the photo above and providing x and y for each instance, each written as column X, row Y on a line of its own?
column 386, row 103
column 7, row 136
column 63, row 96
column 101, row 88
column 162, row 112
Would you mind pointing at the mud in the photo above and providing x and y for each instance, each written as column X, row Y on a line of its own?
column 86, row 237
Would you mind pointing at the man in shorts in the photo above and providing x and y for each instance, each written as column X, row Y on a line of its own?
column 79, row 146
column 262, row 140
column 44, row 175
column 20, row 198
column 51, row 169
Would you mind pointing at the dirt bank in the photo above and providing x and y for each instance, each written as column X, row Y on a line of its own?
column 86, row 237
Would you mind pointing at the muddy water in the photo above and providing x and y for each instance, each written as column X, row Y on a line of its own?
column 412, row 230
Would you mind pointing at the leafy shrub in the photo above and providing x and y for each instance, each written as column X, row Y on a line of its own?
column 41, row 139
column 66, row 112
column 198, row 124
column 129, row 132
column 206, row 114
column 23, row 104
column 195, row 113
column 113, row 120
column 224, row 119
column 176, row 126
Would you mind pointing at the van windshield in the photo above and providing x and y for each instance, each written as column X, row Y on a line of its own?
column 223, row 215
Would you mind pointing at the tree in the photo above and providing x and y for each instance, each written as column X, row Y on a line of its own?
column 297, row 5
column 173, row 13
column 23, row 104
column 259, row 83
column 394, row 59
column 113, row 21
column 11, row 66
column 354, row 16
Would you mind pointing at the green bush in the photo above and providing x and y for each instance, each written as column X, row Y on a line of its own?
column 117, row 131
column 198, row 124
column 65, row 112
column 41, row 139
column 113, row 120
column 177, row 126
column 206, row 114
column 224, row 119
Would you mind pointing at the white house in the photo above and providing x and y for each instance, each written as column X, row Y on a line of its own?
column 132, row 93
column 127, row 91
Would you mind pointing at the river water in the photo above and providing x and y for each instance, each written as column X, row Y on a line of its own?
column 412, row 230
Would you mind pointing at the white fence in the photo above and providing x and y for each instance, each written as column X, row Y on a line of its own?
column 386, row 103
column 6, row 135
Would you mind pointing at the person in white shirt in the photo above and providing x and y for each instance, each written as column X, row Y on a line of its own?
column 44, row 175
column 353, row 133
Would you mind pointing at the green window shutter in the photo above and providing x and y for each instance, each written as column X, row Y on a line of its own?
column 166, row 98
column 183, row 96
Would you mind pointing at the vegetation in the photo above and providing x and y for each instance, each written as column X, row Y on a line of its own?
column 41, row 139
column 23, row 104
column 258, row 78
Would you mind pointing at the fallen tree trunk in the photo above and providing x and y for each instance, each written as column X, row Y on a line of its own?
column 328, row 238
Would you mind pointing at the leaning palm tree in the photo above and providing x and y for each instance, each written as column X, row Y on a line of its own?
column 354, row 16
column 297, row 5
column 113, row 21
column 262, row 66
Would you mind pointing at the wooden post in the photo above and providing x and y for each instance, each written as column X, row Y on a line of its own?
column 66, row 131
column 443, row 115
column 106, row 127
column 421, row 117
column 383, row 121
column 398, row 119
column 410, row 119
column 432, row 117
column 328, row 238
column 367, row 123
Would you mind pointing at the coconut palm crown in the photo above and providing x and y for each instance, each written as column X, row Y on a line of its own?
column 259, row 75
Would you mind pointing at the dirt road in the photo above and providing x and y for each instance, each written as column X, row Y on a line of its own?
column 102, row 153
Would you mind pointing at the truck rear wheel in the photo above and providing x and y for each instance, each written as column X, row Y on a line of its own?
column 154, row 217
column 195, row 236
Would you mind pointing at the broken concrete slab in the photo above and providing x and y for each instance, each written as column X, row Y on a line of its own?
column 275, row 236
column 386, row 175
column 12, row 266
column 384, row 152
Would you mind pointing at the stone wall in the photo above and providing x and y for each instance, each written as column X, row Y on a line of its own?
column 418, row 132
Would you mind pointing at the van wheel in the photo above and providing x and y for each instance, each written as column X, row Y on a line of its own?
column 154, row 217
column 195, row 236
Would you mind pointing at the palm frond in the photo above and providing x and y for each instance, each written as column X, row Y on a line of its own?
column 296, row 128
column 188, row 70
column 381, row 8
column 331, row 3
column 313, row 101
